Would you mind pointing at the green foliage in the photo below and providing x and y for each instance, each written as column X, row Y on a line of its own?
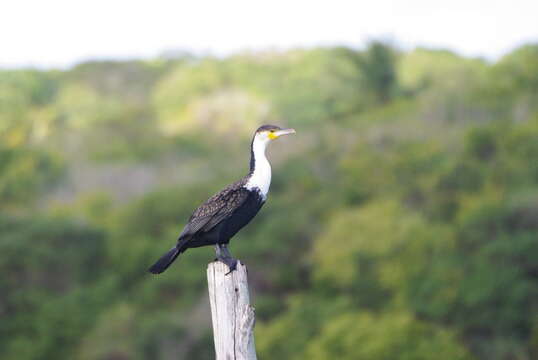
column 516, row 71
column 401, row 224
column 377, row 67
column 24, row 174
column 391, row 336
column 56, row 269
column 289, row 334
column 485, row 289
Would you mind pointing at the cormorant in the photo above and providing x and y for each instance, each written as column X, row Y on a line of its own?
column 217, row 220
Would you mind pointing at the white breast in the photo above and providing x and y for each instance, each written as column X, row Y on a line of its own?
column 261, row 176
column 260, row 179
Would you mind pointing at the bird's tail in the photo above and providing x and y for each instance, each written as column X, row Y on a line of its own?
column 166, row 260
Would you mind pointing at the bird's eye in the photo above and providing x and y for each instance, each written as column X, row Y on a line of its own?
column 271, row 131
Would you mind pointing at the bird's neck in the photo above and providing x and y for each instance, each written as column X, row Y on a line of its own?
column 260, row 169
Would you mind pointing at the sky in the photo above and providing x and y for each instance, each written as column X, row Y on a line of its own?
column 60, row 33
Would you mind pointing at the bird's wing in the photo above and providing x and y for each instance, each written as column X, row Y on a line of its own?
column 217, row 208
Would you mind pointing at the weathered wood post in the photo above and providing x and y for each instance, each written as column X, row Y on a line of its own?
column 233, row 317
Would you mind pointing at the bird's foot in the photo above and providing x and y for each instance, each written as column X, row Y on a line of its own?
column 232, row 266
column 224, row 256
column 231, row 262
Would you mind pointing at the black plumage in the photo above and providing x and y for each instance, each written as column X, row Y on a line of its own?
column 218, row 219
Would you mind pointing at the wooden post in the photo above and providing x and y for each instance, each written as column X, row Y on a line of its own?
column 233, row 317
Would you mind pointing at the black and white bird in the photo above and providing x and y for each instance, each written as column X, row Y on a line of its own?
column 217, row 220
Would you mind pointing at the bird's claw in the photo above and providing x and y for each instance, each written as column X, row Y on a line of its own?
column 232, row 264
column 225, row 257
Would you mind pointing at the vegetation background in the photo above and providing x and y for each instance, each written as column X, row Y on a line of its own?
column 402, row 221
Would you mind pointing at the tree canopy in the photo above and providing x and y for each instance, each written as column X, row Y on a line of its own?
column 402, row 221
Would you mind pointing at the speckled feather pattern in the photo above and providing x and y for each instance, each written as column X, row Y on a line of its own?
column 217, row 208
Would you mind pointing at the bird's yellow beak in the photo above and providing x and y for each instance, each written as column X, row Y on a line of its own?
column 279, row 133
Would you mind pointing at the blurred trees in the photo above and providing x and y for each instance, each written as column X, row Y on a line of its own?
column 402, row 220
column 377, row 69
column 50, row 294
column 24, row 120
column 25, row 173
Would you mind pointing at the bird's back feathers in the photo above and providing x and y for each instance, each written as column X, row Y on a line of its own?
column 216, row 209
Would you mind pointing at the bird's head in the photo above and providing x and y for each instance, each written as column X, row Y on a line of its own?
column 267, row 133
column 263, row 136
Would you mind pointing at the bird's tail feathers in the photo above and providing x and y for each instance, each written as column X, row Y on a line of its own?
column 166, row 260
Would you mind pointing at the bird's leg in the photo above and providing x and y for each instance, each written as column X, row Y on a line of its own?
column 217, row 252
column 225, row 251
column 224, row 255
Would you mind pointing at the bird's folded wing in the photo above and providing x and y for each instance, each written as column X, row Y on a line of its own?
column 216, row 209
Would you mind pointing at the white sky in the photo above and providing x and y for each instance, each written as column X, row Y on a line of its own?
column 53, row 33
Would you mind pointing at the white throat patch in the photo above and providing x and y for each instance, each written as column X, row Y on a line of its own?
column 261, row 177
